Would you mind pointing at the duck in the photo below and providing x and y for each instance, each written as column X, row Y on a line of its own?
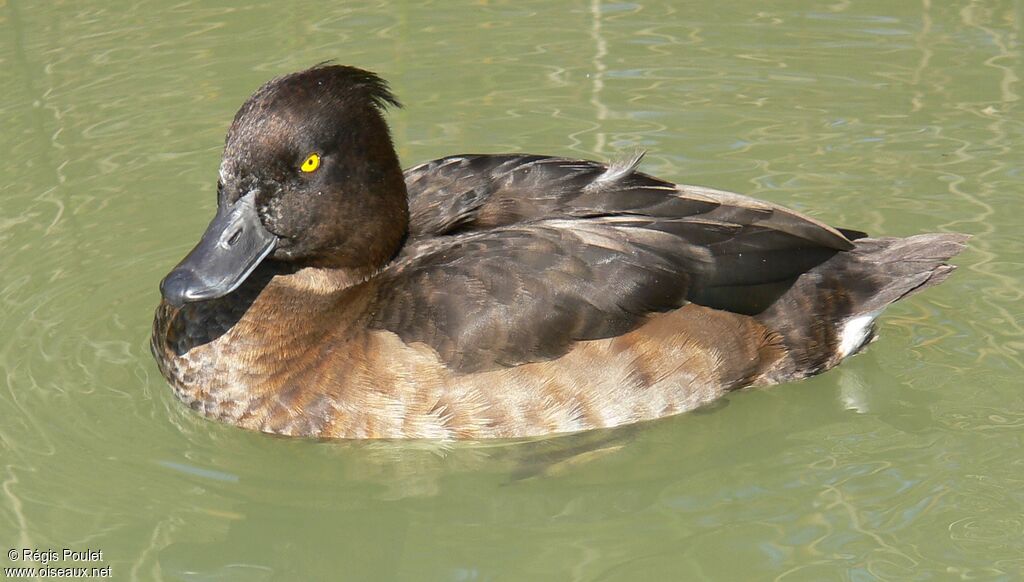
column 478, row 296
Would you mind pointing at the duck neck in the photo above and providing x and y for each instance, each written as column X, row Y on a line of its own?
column 318, row 280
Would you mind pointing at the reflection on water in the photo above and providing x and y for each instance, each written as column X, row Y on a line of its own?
column 896, row 119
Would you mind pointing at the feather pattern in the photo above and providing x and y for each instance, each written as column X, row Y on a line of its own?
column 567, row 235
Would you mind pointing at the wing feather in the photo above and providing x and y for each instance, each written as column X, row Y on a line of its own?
column 512, row 258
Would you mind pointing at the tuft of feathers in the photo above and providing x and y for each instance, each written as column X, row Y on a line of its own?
column 325, row 84
column 356, row 80
column 616, row 171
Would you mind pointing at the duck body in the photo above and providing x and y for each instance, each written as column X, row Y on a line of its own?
column 482, row 296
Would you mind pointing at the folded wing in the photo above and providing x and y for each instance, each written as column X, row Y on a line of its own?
column 513, row 258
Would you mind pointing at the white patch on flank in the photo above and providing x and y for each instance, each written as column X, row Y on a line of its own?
column 855, row 332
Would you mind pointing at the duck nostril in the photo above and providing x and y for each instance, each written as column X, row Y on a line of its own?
column 234, row 237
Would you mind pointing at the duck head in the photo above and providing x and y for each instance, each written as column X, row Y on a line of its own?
column 309, row 177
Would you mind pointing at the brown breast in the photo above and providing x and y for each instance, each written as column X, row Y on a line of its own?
column 292, row 362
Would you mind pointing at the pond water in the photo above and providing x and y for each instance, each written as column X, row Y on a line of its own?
column 893, row 117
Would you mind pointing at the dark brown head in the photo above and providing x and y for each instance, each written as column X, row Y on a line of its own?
column 309, row 177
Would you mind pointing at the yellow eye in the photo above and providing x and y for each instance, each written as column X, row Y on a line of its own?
column 312, row 162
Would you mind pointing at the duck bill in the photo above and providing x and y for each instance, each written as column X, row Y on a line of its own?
column 231, row 248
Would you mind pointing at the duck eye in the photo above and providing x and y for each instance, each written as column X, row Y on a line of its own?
column 312, row 163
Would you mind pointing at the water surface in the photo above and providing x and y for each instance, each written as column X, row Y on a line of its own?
column 897, row 118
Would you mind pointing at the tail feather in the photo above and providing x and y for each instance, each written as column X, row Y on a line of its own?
column 903, row 266
column 829, row 311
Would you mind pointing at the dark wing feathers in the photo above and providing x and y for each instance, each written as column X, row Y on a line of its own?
column 474, row 192
column 525, row 293
column 512, row 258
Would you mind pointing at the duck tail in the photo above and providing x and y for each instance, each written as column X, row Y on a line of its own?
column 829, row 312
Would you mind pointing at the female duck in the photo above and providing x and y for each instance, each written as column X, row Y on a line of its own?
column 493, row 295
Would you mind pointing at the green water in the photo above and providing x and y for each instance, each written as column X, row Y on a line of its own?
column 894, row 117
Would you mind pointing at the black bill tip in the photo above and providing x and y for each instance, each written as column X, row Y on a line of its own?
column 176, row 287
column 233, row 246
